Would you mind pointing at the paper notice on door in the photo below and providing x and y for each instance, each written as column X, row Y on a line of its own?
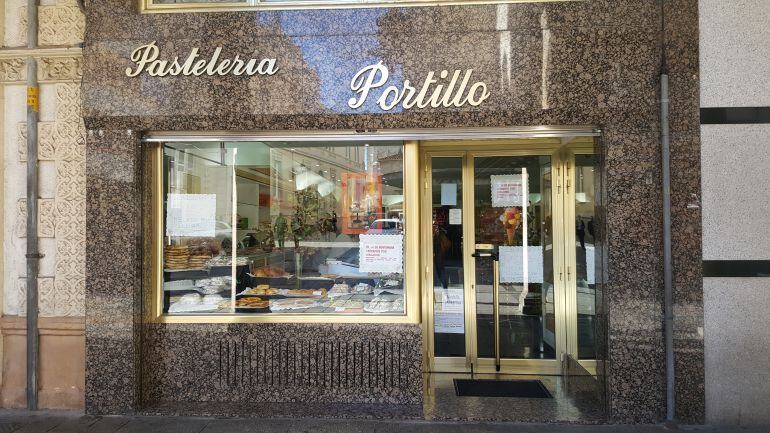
column 191, row 215
column 507, row 190
column 448, row 300
column 381, row 254
column 513, row 265
column 448, row 194
column 455, row 217
column 448, row 323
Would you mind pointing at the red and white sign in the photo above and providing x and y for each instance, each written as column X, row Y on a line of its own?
column 507, row 190
column 381, row 254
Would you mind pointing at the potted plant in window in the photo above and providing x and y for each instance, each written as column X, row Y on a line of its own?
column 304, row 224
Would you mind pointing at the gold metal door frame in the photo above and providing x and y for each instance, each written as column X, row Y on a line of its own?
column 513, row 365
column 429, row 150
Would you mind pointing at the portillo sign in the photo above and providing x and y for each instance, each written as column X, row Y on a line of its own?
column 442, row 89
column 453, row 95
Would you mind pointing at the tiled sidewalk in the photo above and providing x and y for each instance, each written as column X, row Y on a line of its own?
column 70, row 422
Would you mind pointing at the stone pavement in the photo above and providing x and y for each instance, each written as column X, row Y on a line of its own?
column 71, row 422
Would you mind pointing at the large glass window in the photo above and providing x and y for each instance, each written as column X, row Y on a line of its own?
column 283, row 227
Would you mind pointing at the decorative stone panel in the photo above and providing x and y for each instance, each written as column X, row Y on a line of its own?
column 45, row 218
column 60, row 68
column 58, row 24
column 46, row 140
column 13, row 70
column 45, row 298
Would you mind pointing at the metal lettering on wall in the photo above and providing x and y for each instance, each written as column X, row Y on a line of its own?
column 436, row 90
column 453, row 95
column 146, row 59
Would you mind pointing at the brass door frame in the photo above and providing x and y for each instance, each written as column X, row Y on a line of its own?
column 565, row 298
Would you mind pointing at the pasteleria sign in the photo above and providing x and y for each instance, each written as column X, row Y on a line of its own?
column 147, row 59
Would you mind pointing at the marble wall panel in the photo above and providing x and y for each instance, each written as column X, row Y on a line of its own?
column 113, row 274
column 593, row 63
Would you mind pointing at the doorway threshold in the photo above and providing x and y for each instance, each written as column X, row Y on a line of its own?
column 441, row 402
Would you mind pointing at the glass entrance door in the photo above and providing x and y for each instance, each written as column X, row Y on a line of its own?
column 515, row 295
column 501, row 260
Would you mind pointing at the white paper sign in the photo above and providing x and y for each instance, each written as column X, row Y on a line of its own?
column 381, row 254
column 191, row 215
column 507, row 190
column 590, row 253
column 512, row 264
column 448, row 194
column 455, row 217
column 449, row 300
column 448, row 323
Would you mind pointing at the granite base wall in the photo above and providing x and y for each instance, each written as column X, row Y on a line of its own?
column 278, row 363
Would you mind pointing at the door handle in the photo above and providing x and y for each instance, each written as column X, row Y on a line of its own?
column 493, row 255
column 496, row 309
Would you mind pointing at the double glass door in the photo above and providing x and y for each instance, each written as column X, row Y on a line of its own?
column 510, row 257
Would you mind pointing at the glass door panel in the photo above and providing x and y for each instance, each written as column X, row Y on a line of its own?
column 585, row 255
column 513, row 223
column 448, row 273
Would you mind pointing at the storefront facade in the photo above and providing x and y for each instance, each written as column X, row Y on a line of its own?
column 329, row 175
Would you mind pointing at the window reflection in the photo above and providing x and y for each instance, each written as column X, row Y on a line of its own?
column 289, row 227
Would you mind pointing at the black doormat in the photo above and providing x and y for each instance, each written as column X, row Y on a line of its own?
column 501, row 388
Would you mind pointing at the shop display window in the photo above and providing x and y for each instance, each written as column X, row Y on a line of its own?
column 265, row 228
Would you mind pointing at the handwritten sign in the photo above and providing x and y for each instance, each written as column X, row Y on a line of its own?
column 455, row 216
column 191, row 215
column 381, row 254
column 507, row 190
column 448, row 311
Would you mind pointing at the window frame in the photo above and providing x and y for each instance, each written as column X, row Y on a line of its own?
column 411, row 251
column 148, row 6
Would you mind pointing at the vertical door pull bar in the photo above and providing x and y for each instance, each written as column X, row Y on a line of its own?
column 495, row 298
column 496, row 306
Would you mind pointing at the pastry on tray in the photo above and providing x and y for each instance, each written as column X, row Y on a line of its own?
column 339, row 290
column 303, row 292
column 270, row 272
column 262, row 289
column 251, row 303
column 291, row 304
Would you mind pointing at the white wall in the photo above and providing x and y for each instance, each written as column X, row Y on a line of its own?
column 735, row 159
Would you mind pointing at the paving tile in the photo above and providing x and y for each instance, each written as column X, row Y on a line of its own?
column 9, row 426
column 108, row 424
column 248, row 425
column 38, row 424
column 332, row 426
column 164, row 425
column 74, row 424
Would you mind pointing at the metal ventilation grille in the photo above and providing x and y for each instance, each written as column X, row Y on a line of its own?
column 375, row 364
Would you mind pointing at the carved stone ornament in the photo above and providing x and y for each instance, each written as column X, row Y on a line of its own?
column 13, row 70
column 58, row 24
column 60, row 68
column 61, row 25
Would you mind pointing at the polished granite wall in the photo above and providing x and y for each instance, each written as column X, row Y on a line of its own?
column 575, row 63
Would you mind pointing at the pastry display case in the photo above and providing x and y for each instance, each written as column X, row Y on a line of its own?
column 262, row 230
